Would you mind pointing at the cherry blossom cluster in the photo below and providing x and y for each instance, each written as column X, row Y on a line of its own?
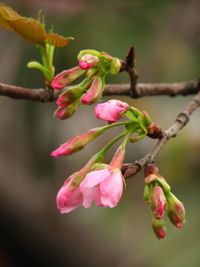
column 96, row 66
column 97, row 181
column 158, row 195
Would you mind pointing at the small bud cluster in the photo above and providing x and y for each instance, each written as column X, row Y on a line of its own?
column 96, row 65
column 158, row 195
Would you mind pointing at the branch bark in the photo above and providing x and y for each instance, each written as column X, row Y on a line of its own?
column 143, row 89
column 181, row 120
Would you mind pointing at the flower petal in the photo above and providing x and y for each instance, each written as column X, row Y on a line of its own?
column 68, row 199
column 111, row 189
column 94, row 178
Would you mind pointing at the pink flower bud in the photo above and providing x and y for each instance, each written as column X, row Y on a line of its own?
column 68, row 198
column 76, row 143
column 66, row 111
column 175, row 210
column 62, row 101
column 88, row 61
column 158, row 202
column 159, row 228
column 66, row 77
column 94, row 93
column 111, row 110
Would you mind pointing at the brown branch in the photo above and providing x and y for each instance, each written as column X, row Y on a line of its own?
column 181, row 120
column 130, row 68
column 143, row 89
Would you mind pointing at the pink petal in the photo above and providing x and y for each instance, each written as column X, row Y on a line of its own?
column 111, row 110
column 88, row 196
column 94, row 178
column 111, row 189
column 68, row 199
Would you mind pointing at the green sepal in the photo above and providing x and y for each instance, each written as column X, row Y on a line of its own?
column 88, row 51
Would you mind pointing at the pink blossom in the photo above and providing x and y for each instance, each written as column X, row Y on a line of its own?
column 104, row 186
column 68, row 198
column 111, row 110
column 88, row 61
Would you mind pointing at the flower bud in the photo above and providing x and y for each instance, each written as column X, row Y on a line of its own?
column 66, row 111
column 115, row 65
column 94, row 93
column 158, row 202
column 175, row 210
column 159, row 227
column 76, row 143
column 111, row 110
column 88, row 61
column 66, row 77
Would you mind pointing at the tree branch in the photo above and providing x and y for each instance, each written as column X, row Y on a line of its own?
column 143, row 89
column 181, row 120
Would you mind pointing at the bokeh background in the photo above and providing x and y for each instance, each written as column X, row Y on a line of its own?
column 32, row 232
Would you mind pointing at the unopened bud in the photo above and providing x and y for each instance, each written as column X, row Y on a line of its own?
column 175, row 210
column 88, row 61
column 66, row 111
column 76, row 143
column 94, row 93
column 66, row 77
column 159, row 228
column 158, row 202
column 111, row 110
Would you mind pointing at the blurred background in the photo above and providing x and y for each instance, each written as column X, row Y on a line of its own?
column 32, row 231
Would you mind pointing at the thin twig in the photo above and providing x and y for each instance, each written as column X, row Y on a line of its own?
column 143, row 89
column 181, row 120
column 130, row 68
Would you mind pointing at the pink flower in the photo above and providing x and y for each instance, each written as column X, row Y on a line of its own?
column 88, row 61
column 104, row 186
column 111, row 110
column 68, row 197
